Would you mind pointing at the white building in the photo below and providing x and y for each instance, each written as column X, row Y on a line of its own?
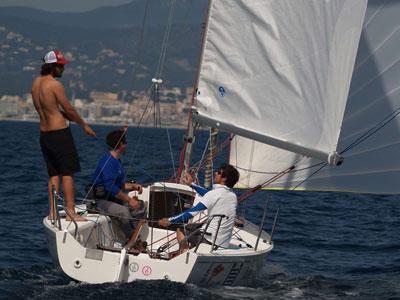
column 9, row 106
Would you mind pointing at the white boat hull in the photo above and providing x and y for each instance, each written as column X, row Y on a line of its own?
column 81, row 259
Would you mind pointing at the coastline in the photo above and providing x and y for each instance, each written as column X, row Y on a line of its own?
column 101, row 123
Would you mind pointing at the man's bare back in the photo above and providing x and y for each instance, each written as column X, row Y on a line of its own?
column 48, row 95
column 45, row 90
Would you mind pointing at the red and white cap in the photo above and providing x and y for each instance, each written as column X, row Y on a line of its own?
column 55, row 57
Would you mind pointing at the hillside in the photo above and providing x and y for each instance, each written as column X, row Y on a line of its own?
column 104, row 57
column 128, row 15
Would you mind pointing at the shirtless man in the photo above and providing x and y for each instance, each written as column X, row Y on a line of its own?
column 56, row 140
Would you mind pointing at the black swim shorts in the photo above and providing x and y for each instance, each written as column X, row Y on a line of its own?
column 59, row 152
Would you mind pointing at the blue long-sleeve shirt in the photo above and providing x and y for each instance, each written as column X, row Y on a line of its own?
column 199, row 189
column 191, row 212
column 109, row 174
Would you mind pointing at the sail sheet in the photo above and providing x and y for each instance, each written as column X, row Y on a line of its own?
column 372, row 166
column 279, row 71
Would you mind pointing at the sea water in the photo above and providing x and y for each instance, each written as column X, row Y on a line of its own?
column 327, row 245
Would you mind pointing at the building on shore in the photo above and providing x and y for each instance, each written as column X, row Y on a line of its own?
column 10, row 106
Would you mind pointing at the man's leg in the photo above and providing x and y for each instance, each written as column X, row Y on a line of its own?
column 183, row 244
column 121, row 212
column 53, row 181
column 135, row 234
column 69, row 194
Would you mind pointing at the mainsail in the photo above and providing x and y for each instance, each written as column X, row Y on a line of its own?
column 372, row 166
column 279, row 71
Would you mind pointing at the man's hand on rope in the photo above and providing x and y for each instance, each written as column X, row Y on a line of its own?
column 188, row 179
column 134, row 203
column 164, row 222
column 134, row 186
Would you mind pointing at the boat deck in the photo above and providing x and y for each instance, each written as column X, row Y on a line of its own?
column 99, row 231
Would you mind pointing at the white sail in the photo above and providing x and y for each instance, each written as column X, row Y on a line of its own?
column 373, row 166
column 279, row 71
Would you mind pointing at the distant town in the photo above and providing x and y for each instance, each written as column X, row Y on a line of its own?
column 107, row 80
column 107, row 108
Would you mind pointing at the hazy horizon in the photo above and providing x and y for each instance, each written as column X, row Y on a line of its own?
column 63, row 6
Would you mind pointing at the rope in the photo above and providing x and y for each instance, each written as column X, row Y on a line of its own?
column 308, row 177
column 170, row 150
column 138, row 141
column 385, row 121
column 203, row 154
column 200, row 164
column 373, row 130
column 164, row 45
column 370, row 132
column 264, row 184
column 275, row 173
column 140, row 44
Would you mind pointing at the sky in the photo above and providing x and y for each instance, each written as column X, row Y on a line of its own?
column 63, row 5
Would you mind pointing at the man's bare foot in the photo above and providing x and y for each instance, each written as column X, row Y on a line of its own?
column 50, row 217
column 77, row 218
column 174, row 254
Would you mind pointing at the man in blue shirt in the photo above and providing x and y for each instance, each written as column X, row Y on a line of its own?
column 109, row 177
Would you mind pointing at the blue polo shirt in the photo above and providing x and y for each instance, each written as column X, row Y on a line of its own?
column 109, row 174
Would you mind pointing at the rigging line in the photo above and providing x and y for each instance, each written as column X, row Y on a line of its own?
column 372, row 130
column 166, row 210
column 358, row 141
column 146, row 173
column 212, row 155
column 274, row 173
column 177, row 37
column 202, row 157
column 141, row 131
column 147, row 105
column 308, row 177
column 140, row 45
column 165, row 40
column 170, row 150
column 165, row 36
column 175, row 174
column 148, row 91
column 361, row 139
column 267, row 182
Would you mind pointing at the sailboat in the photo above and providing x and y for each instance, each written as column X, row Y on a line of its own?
column 305, row 112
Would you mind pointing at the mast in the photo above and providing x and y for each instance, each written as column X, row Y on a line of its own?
column 156, row 101
column 209, row 167
column 189, row 138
